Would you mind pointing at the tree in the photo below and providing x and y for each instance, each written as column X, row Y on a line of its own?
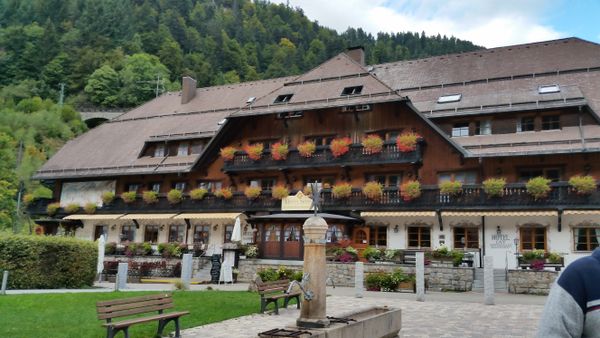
column 142, row 77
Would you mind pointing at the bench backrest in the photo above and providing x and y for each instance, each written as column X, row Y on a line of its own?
column 131, row 306
column 275, row 286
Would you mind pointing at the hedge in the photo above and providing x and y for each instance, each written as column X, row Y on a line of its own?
column 48, row 262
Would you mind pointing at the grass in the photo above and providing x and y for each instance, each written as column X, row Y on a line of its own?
column 74, row 314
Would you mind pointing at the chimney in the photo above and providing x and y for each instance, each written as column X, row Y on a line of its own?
column 357, row 54
column 188, row 89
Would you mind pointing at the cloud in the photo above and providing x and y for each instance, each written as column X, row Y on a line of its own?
column 486, row 23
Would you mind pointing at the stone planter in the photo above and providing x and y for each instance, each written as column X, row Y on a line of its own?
column 407, row 286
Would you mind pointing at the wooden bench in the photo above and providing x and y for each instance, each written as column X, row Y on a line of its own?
column 271, row 292
column 116, row 308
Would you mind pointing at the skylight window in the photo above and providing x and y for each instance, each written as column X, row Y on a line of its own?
column 549, row 89
column 356, row 90
column 449, row 98
column 283, row 98
column 250, row 99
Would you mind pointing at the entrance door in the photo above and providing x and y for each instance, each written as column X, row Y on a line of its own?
column 291, row 241
column 272, row 242
column 360, row 239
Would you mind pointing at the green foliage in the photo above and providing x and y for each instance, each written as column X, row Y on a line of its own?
column 174, row 196
column 47, row 262
column 444, row 253
column 169, row 250
column 270, row 274
column 72, row 208
column 494, row 187
column 583, row 184
column 452, row 188
column 129, row 196
column 554, row 258
column 108, row 197
column 150, row 197
column 52, row 208
column 410, row 190
column 251, row 251
column 534, row 254
column 372, row 254
column 90, row 208
column 538, row 187
column 103, row 86
column 198, row 194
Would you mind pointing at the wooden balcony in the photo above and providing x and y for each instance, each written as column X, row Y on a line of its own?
column 473, row 197
column 323, row 158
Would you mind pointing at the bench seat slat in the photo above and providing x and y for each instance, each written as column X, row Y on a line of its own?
column 132, row 299
column 136, row 311
column 129, row 322
column 129, row 306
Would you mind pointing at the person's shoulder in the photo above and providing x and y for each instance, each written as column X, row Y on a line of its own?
column 583, row 268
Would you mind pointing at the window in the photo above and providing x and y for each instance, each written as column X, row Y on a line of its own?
column 554, row 174
column 183, row 149
column 419, row 237
column 547, row 89
column 586, row 239
column 180, row 186
column 202, row 234
column 525, row 124
column 197, row 147
column 321, row 140
column 272, row 233
column 324, row 182
column 263, row 183
column 335, row 233
column 449, row 98
column 128, row 233
column 550, row 122
column 533, row 238
column 177, row 233
column 151, row 234
column 267, row 143
column 155, row 187
column 100, row 230
column 387, row 180
column 460, row 129
column 356, row 90
column 210, row 185
column 483, row 127
column 291, row 233
column 378, row 236
column 466, row 238
column 159, row 151
column 228, row 232
column 465, row 177
column 283, row 98
column 133, row 187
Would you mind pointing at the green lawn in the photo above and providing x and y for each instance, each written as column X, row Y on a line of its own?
column 74, row 314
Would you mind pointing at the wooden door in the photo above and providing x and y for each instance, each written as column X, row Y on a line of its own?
column 272, row 242
column 360, row 240
column 291, row 241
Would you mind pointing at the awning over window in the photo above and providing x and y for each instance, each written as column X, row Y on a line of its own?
column 581, row 212
column 223, row 215
column 148, row 216
column 397, row 214
column 86, row 217
column 303, row 216
column 499, row 213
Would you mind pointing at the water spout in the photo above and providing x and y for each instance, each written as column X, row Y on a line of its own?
column 308, row 295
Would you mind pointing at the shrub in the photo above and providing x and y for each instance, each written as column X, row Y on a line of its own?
column 110, row 248
column 28, row 199
column 410, row 190
column 252, row 192
column 534, row 254
column 107, row 197
column 307, row 149
column 340, row 146
column 254, row 151
column 251, row 251
column 494, row 187
column 280, row 192
column 444, row 253
column 174, row 196
column 150, row 197
column 198, row 194
column 393, row 254
column 372, row 254
column 347, row 257
column 538, row 187
column 373, row 190
column 407, row 142
column 297, row 276
column 554, row 257
column 129, row 196
column 373, row 280
column 584, row 185
column 372, row 144
column 224, row 193
column 268, row 275
column 52, row 208
column 72, row 208
column 167, row 250
column 90, row 208
column 228, row 153
column 452, row 188
column 341, row 190
column 279, row 151
column 48, row 262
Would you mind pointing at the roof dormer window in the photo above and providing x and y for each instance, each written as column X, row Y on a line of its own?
column 250, row 100
column 159, row 151
column 283, row 98
column 548, row 89
column 356, row 90
column 449, row 98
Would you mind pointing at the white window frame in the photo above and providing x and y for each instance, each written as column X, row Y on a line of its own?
column 159, row 151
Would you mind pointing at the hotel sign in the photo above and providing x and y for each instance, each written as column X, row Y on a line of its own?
column 296, row 202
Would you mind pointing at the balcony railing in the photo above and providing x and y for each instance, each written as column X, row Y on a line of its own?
column 473, row 197
column 322, row 158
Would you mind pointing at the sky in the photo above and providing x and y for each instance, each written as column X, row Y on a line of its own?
column 488, row 23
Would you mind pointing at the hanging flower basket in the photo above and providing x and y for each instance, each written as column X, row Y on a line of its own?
column 494, row 187
column 254, row 151
column 228, row 153
column 584, row 185
column 107, row 197
column 538, row 187
column 90, row 208
column 72, row 208
column 372, row 144
column 52, row 208
column 280, row 192
column 373, row 190
column 129, row 196
column 407, row 142
column 451, row 188
column 175, row 196
column 224, row 193
column 410, row 190
column 340, row 146
column 198, row 194
column 279, row 151
column 150, row 197
column 307, row 149
column 252, row 192
column 341, row 190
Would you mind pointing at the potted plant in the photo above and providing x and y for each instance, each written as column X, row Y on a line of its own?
column 373, row 190
column 538, row 187
column 90, row 208
column 407, row 141
column 228, row 153
column 198, row 194
column 307, row 148
column 174, row 196
column 494, row 187
column 129, row 196
column 372, row 144
column 252, row 192
column 280, row 192
column 451, row 188
column 373, row 281
column 340, row 146
column 410, row 190
column 234, row 273
column 279, row 151
column 254, row 151
column 28, row 199
column 150, row 197
column 52, row 208
column 341, row 190
column 252, row 251
column 72, row 208
column 224, row 193
column 372, row 254
column 584, row 185
column 107, row 197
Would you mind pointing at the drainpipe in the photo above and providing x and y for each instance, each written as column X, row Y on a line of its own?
column 482, row 241
column 581, row 134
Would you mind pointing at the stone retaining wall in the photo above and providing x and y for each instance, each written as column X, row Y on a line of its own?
column 170, row 263
column 342, row 274
column 531, row 281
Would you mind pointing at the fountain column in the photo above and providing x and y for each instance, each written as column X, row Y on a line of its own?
column 313, row 312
